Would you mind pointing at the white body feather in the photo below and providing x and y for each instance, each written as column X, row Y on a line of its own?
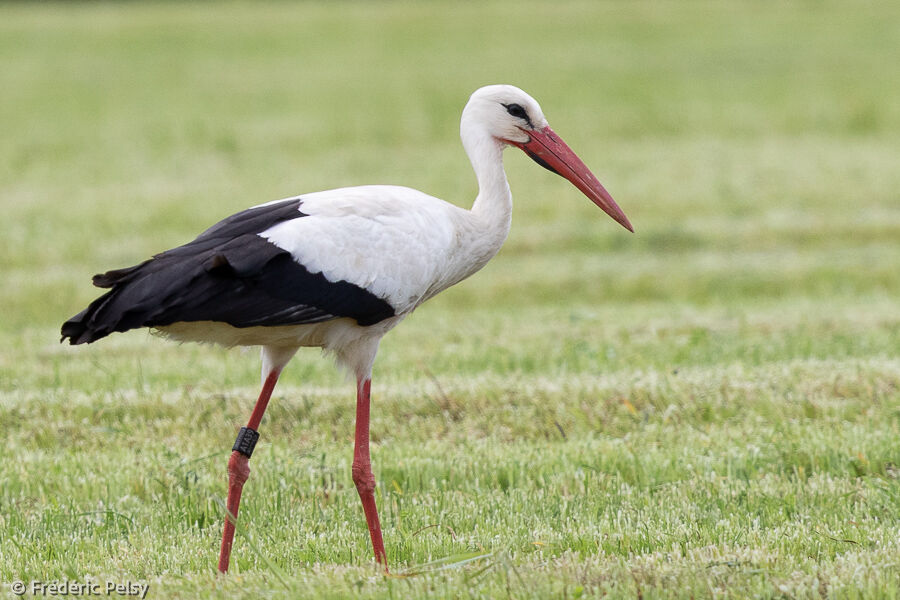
column 400, row 244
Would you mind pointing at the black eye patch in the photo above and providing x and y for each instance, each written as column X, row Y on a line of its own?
column 518, row 112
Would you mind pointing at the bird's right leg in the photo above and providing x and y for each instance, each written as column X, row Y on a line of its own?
column 362, row 469
column 239, row 466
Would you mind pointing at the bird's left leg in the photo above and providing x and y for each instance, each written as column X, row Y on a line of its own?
column 362, row 469
column 239, row 467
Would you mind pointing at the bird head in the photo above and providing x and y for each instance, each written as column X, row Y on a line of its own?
column 512, row 117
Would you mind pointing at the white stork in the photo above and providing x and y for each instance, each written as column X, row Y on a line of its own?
column 335, row 269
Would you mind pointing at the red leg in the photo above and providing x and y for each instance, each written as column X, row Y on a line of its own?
column 362, row 470
column 239, row 470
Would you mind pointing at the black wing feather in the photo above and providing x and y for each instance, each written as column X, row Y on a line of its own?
column 228, row 274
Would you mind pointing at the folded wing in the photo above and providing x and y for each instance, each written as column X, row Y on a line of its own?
column 228, row 274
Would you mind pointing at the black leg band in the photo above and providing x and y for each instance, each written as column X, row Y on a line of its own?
column 246, row 441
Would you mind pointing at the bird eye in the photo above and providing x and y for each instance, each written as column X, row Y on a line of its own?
column 517, row 111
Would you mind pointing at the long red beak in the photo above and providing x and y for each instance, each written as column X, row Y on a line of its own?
column 549, row 151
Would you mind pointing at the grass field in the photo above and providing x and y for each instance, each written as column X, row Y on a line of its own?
column 707, row 408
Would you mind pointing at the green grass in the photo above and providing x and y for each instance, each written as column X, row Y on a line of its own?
column 707, row 408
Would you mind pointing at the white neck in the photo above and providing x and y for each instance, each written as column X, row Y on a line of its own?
column 493, row 205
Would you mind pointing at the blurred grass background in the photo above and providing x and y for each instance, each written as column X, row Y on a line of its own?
column 708, row 407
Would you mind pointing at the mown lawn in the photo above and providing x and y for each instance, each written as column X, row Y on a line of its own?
column 707, row 408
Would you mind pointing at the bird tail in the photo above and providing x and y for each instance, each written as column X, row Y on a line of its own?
column 102, row 316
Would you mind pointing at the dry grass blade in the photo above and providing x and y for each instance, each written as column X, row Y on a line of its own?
column 454, row 561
